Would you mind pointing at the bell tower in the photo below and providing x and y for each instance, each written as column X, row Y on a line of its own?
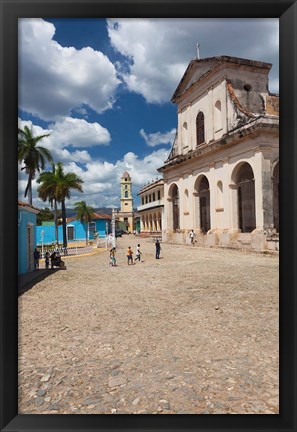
column 126, row 193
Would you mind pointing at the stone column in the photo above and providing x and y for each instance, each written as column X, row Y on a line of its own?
column 263, row 191
column 196, row 212
column 169, row 214
column 212, row 196
column 209, row 118
column 233, row 209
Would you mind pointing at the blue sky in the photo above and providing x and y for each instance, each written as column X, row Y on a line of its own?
column 102, row 87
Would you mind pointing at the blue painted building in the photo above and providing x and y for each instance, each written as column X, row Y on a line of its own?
column 26, row 236
column 75, row 230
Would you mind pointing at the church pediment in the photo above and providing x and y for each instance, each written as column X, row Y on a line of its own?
column 194, row 72
column 199, row 69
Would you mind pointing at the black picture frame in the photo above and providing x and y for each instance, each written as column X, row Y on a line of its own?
column 10, row 11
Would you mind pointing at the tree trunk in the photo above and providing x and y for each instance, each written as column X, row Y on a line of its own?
column 86, row 233
column 56, row 222
column 64, row 224
column 28, row 190
column 30, row 193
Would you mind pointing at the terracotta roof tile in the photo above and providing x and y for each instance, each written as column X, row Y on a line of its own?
column 22, row 204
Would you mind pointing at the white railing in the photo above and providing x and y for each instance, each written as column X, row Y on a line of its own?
column 69, row 251
column 78, row 248
column 147, row 206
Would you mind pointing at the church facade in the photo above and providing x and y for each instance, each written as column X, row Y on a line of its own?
column 221, row 178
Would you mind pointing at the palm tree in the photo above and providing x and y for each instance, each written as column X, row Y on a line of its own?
column 47, row 192
column 33, row 156
column 85, row 214
column 55, row 187
column 65, row 182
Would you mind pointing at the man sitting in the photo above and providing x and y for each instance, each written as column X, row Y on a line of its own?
column 56, row 260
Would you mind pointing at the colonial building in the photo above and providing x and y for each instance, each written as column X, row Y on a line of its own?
column 151, row 210
column 76, row 231
column 222, row 175
column 125, row 214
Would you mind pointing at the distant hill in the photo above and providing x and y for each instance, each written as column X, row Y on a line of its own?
column 101, row 210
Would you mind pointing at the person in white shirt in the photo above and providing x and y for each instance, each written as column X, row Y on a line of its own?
column 192, row 237
column 138, row 253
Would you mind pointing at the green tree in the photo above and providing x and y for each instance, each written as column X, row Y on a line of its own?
column 65, row 183
column 56, row 186
column 47, row 191
column 85, row 214
column 44, row 215
column 33, row 156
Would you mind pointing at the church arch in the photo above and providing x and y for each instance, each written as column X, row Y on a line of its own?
column 202, row 203
column 175, row 207
column 243, row 177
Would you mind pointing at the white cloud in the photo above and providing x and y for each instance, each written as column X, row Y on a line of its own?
column 157, row 138
column 71, row 133
column 79, row 133
column 159, row 50
column 102, row 180
column 53, row 79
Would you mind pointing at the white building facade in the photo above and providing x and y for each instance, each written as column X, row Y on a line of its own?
column 221, row 178
column 151, row 210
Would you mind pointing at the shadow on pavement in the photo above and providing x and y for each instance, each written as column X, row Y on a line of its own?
column 28, row 280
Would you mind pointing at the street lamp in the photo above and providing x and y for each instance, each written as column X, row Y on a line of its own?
column 106, row 234
column 113, row 228
column 42, row 237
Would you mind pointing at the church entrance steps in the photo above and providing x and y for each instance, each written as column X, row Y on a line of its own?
column 244, row 240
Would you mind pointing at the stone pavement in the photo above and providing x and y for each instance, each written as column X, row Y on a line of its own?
column 195, row 332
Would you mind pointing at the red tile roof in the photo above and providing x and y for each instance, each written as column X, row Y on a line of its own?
column 22, row 204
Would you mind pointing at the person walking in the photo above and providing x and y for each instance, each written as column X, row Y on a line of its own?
column 113, row 261
column 36, row 258
column 138, row 253
column 130, row 255
column 158, row 249
column 192, row 236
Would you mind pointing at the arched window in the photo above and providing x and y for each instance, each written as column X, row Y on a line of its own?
column 200, row 128
column 126, row 194
column 204, row 198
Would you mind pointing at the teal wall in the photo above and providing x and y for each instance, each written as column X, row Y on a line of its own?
column 25, row 217
column 79, row 231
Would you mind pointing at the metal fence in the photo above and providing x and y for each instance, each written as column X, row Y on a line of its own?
column 77, row 249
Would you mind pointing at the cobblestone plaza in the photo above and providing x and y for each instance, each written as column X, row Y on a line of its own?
column 194, row 332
